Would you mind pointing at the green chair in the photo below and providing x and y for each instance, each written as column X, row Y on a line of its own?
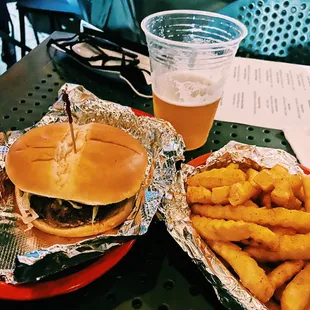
column 279, row 30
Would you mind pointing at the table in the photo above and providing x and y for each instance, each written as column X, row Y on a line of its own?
column 156, row 274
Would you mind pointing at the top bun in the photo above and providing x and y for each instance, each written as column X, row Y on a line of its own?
column 108, row 167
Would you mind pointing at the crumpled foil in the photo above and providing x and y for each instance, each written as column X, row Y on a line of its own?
column 32, row 255
column 177, row 216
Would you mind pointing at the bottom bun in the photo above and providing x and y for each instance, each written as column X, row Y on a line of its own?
column 86, row 230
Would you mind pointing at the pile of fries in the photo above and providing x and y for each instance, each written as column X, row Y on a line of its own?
column 259, row 223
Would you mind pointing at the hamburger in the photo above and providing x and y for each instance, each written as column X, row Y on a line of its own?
column 78, row 194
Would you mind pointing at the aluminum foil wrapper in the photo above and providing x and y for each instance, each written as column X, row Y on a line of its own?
column 32, row 255
column 176, row 210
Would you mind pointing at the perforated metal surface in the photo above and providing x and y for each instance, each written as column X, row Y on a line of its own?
column 156, row 274
column 20, row 109
column 277, row 28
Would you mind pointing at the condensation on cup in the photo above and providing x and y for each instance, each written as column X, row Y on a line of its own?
column 190, row 56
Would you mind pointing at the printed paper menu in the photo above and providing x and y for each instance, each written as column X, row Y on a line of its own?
column 267, row 94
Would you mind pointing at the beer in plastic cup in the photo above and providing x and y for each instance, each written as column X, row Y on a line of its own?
column 190, row 56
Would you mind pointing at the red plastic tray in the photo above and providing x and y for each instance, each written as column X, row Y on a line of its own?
column 66, row 284
column 72, row 282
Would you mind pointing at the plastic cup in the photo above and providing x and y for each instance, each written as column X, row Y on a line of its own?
column 190, row 56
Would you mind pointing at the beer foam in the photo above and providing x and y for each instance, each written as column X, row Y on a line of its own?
column 187, row 88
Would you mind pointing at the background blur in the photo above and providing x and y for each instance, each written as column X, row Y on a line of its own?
column 120, row 19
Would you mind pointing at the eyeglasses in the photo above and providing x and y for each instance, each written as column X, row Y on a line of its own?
column 103, row 56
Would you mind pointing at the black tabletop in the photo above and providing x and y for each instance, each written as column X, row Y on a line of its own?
column 156, row 273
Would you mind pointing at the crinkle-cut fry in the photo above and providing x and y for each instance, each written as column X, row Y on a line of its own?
column 282, row 231
column 262, row 255
column 284, row 272
column 282, row 193
column 279, row 171
column 233, row 166
column 295, row 181
column 288, row 244
column 271, row 305
column 265, row 180
column 266, row 200
column 251, row 174
column 306, row 187
column 298, row 220
column 217, row 178
column 234, row 231
column 251, row 275
column 294, row 204
column 250, row 203
column 241, row 192
column 295, row 247
column 250, row 242
column 296, row 296
column 279, row 292
column 300, row 195
column 283, row 196
column 280, row 174
column 198, row 194
column 219, row 195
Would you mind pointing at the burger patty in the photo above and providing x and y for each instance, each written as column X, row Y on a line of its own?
column 64, row 215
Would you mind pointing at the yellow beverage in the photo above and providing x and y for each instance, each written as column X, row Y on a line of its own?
column 189, row 102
